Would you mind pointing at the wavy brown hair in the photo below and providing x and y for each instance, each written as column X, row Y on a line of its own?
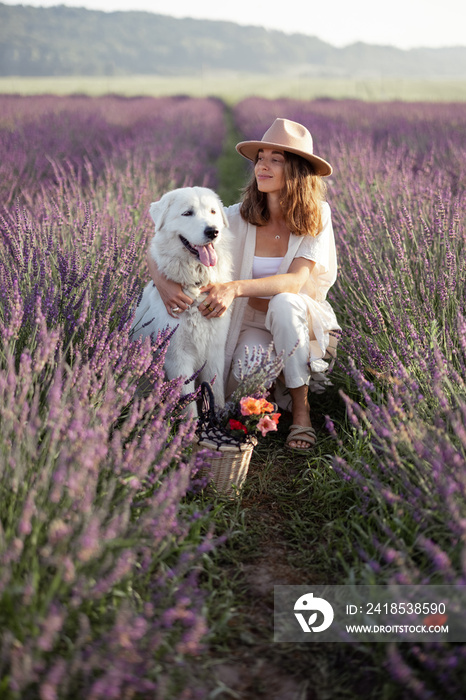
column 300, row 199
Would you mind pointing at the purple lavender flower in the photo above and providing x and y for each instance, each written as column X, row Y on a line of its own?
column 93, row 471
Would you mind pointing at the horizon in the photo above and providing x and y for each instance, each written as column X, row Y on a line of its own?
column 402, row 29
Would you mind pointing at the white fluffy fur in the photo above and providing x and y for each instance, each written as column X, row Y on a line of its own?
column 191, row 212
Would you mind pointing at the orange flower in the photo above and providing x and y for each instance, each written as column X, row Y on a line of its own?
column 250, row 406
column 254, row 407
column 266, row 406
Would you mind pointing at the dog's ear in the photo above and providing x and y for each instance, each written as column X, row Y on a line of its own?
column 158, row 210
column 155, row 210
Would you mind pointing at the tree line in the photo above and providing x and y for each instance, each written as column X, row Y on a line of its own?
column 38, row 41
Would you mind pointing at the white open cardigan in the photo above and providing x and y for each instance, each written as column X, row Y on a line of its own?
column 322, row 318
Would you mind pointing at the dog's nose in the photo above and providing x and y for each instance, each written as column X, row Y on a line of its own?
column 211, row 232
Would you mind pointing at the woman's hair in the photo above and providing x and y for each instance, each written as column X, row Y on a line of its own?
column 300, row 198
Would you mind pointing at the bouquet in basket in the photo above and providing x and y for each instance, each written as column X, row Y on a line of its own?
column 250, row 416
column 230, row 432
column 248, row 411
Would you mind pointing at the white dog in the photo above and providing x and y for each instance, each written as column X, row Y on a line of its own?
column 191, row 246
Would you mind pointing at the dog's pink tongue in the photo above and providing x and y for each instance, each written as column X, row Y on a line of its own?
column 207, row 255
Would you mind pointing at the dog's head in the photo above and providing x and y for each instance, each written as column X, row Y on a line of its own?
column 189, row 220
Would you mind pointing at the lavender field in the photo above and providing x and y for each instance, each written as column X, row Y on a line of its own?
column 107, row 544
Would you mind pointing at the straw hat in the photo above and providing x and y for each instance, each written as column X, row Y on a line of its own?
column 286, row 136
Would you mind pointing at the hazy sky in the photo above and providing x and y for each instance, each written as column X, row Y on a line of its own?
column 402, row 23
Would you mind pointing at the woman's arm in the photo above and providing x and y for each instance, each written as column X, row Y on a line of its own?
column 171, row 292
column 221, row 296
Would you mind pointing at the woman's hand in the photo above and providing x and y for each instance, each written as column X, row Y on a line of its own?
column 219, row 298
column 175, row 300
column 171, row 293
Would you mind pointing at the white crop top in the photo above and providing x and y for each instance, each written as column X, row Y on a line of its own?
column 265, row 267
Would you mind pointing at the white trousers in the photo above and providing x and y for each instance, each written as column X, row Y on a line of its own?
column 285, row 325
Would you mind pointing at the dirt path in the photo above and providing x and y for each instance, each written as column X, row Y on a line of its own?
column 256, row 666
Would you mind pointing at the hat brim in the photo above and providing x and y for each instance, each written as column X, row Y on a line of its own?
column 249, row 150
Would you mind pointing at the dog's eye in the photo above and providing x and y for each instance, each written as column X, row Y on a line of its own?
column 212, row 211
column 188, row 212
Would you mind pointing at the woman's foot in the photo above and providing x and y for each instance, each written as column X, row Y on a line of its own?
column 300, row 438
column 302, row 435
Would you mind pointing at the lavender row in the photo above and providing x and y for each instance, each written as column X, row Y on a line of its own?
column 100, row 542
column 177, row 137
column 398, row 199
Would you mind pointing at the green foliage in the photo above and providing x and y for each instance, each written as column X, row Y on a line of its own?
column 74, row 41
column 232, row 171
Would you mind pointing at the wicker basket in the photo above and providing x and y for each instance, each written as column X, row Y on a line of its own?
column 228, row 466
column 229, row 457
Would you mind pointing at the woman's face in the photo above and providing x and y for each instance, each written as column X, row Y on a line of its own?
column 270, row 170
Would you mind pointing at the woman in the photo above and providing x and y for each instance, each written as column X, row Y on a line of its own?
column 284, row 264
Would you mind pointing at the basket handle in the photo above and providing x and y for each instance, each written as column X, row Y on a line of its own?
column 208, row 403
